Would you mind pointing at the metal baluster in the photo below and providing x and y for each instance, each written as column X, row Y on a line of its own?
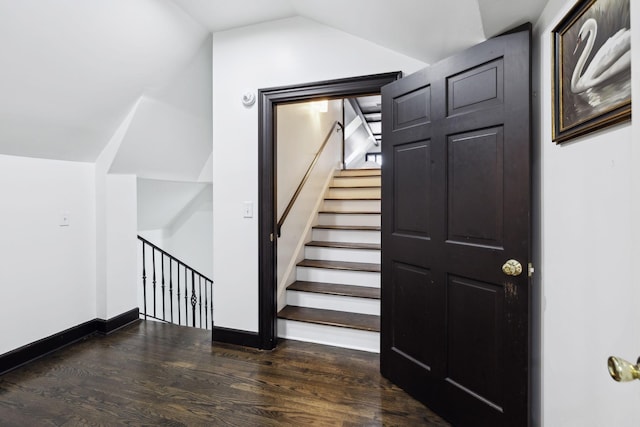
column 153, row 262
column 144, row 281
column 186, row 298
column 200, row 297
column 206, row 306
column 194, row 299
column 163, row 294
column 171, row 287
column 178, row 276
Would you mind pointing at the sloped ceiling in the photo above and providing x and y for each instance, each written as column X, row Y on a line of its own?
column 70, row 70
column 428, row 30
column 170, row 135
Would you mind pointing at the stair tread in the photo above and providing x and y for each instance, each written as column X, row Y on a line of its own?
column 365, row 322
column 335, row 289
column 356, row 172
column 350, row 227
column 355, row 187
column 350, row 212
column 340, row 265
column 344, row 245
column 352, row 198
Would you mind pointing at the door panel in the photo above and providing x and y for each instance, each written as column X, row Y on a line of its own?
column 455, row 186
column 474, row 335
column 476, row 89
column 414, row 293
column 411, row 211
column 476, row 161
column 412, row 108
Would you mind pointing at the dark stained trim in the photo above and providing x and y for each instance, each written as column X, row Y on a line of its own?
column 37, row 349
column 234, row 336
column 268, row 99
column 109, row 326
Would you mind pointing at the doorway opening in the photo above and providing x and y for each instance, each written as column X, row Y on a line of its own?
column 269, row 100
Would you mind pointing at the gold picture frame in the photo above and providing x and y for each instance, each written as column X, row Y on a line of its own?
column 591, row 67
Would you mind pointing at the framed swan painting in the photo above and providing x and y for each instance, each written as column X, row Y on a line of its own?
column 591, row 68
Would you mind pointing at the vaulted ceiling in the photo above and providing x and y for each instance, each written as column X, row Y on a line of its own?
column 71, row 70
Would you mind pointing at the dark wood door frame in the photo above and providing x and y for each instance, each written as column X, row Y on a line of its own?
column 268, row 100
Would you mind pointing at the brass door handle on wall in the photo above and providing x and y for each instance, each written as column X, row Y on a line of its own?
column 512, row 268
column 621, row 370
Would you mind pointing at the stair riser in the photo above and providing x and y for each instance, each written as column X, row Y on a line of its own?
column 356, row 181
column 352, row 236
column 351, row 205
column 347, row 277
column 349, row 219
column 334, row 302
column 342, row 254
column 359, row 172
column 353, row 193
column 329, row 335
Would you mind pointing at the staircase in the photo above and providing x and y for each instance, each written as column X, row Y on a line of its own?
column 336, row 298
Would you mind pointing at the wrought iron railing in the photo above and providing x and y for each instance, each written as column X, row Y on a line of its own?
column 172, row 291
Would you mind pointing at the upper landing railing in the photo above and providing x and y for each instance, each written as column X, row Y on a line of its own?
column 172, row 291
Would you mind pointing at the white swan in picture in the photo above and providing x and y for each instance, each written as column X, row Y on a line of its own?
column 612, row 58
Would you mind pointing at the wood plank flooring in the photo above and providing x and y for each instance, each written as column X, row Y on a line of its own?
column 156, row 374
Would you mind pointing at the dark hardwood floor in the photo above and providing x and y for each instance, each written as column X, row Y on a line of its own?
column 164, row 375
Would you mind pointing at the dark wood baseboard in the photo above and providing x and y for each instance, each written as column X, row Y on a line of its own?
column 106, row 327
column 235, row 336
column 27, row 353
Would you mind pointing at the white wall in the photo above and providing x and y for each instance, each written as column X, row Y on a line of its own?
column 585, row 274
column 266, row 55
column 121, row 240
column 635, row 156
column 189, row 236
column 357, row 140
column 47, row 279
column 116, row 225
column 178, row 217
column 300, row 132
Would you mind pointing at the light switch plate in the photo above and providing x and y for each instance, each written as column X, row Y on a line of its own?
column 247, row 209
column 65, row 219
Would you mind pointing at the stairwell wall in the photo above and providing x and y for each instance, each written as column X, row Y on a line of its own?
column 276, row 53
column 300, row 132
column 189, row 236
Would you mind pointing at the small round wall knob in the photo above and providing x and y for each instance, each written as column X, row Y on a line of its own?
column 248, row 99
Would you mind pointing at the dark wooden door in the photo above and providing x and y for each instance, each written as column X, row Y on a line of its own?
column 456, row 204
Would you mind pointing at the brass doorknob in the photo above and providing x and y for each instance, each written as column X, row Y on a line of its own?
column 512, row 268
column 621, row 370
